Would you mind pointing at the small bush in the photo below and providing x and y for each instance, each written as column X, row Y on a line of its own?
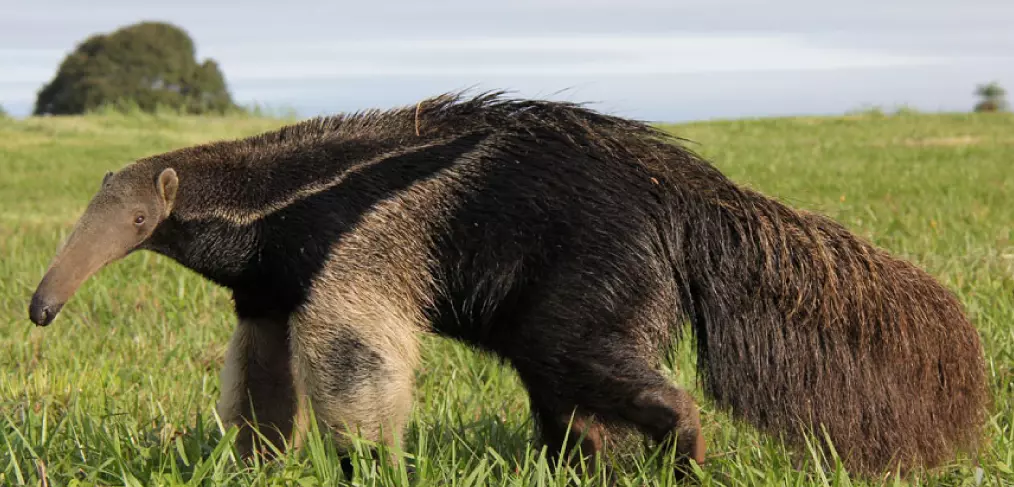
column 993, row 98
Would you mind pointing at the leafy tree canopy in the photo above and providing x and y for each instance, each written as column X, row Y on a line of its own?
column 148, row 64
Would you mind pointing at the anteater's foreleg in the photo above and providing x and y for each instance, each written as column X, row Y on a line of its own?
column 256, row 384
column 356, row 379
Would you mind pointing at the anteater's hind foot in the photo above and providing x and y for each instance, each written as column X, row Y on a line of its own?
column 669, row 415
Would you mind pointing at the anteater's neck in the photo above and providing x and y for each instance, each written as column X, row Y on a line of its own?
column 215, row 248
column 233, row 256
column 261, row 219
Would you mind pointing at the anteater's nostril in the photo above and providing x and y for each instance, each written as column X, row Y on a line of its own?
column 41, row 313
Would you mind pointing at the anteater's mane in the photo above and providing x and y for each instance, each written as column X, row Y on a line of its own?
column 456, row 114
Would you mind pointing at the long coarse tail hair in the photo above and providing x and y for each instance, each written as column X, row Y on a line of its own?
column 804, row 328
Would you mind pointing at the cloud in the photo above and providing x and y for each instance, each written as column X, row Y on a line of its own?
column 615, row 55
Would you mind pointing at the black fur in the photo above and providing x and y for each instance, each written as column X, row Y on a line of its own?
column 357, row 362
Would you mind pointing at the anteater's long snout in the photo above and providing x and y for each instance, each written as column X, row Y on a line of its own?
column 89, row 248
column 72, row 266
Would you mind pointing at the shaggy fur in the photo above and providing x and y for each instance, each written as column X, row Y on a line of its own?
column 576, row 246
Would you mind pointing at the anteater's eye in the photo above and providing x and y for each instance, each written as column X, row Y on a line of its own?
column 139, row 219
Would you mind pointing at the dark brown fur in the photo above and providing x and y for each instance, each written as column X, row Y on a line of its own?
column 576, row 246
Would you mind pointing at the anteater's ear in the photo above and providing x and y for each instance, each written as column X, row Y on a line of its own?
column 167, row 185
column 105, row 179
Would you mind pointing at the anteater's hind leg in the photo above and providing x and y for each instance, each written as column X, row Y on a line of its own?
column 615, row 387
column 256, row 384
column 575, row 346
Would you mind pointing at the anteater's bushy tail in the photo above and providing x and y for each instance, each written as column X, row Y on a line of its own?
column 801, row 324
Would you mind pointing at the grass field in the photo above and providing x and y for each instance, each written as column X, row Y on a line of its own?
column 120, row 390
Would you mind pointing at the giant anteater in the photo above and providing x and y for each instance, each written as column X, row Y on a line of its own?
column 572, row 244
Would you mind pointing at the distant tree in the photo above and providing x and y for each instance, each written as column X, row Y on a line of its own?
column 993, row 98
column 148, row 64
column 3, row 112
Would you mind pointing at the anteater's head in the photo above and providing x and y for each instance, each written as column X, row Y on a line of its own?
column 119, row 219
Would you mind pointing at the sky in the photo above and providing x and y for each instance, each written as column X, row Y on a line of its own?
column 660, row 60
